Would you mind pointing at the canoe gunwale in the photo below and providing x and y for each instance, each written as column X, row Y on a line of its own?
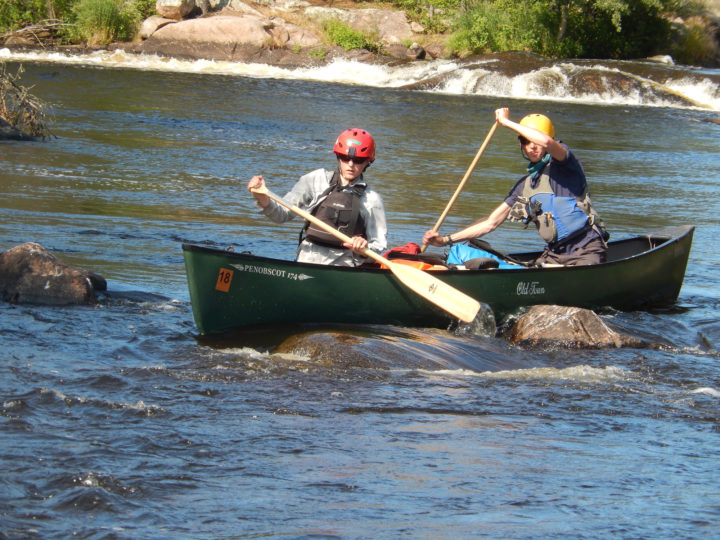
column 660, row 239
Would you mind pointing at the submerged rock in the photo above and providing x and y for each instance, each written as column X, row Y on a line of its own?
column 570, row 327
column 31, row 274
column 379, row 349
column 8, row 132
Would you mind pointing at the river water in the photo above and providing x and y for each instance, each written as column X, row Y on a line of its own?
column 119, row 421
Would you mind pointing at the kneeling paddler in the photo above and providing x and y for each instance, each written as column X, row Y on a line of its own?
column 339, row 197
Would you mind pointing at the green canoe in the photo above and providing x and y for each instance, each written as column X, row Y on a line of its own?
column 230, row 290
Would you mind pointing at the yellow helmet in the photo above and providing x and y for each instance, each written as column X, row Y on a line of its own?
column 539, row 122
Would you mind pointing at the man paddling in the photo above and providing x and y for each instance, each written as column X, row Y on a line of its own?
column 553, row 195
column 340, row 198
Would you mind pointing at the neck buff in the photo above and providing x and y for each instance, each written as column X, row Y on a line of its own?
column 533, row 169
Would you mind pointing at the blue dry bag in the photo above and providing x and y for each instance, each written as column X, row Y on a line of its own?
column 459, row 253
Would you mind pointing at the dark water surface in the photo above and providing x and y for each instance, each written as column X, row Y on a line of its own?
column 118, row 421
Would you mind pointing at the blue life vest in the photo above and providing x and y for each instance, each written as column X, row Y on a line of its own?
column 557, row 218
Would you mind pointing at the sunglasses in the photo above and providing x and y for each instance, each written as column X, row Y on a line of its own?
column 523, row 140
column 355, row 160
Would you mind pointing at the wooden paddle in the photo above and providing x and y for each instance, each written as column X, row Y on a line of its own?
column 463, row 181
column 457, row 303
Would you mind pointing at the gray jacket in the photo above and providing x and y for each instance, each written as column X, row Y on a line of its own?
column 307, row 194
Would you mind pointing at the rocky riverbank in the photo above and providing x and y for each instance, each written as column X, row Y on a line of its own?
column 288, row 32
column 291, row 33
column 279, row 32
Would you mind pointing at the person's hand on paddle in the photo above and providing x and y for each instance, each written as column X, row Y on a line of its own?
column 258, row 182
column 358, row 245
column 433, row 238
column 501, row 115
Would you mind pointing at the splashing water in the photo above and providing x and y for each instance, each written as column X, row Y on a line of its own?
column 562, row 81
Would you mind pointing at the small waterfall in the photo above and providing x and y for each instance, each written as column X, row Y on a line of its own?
column 511, row 75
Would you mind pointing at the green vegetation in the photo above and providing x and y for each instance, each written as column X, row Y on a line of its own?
column 339, row 33
column 693, row 45
column 98, row 22
column 95, row 22
column 499, row 25
column 16, row 14
column 436, row 15
column 318, row 53
column 617, row 29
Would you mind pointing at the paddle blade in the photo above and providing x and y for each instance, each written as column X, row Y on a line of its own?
column 455, row 302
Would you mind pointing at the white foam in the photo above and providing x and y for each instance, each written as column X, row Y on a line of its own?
column 583, row 373
column 548, row 83
column 707, row 391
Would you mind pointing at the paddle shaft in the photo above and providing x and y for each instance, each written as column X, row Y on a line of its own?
column 464, row 180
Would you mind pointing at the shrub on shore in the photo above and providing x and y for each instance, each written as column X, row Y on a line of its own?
column 19, row 108
column 95, row 22
column 339, row 33
column 595, row 29
column 98, row 22
column 617, row 29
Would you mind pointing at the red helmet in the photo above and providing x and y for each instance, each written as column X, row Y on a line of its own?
column 355, row 142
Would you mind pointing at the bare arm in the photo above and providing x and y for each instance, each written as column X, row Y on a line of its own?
column 551, row 146
column 477, row 229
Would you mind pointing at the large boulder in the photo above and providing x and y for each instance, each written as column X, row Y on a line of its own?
column 409, row 349
column 571, row 327
column 260, row 31
column 390, row 26
column 174, row 9
column 234, row 30
column 152, row 25
column 31, row 274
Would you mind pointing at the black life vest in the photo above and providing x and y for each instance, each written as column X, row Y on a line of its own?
column 340, row 209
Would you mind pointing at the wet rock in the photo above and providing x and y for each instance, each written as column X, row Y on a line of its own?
column 401, row 52
column 379, row 349
column 10, row 133
column 435, row 50
column 31, row 274
column 602, row 82
column 561, row 326
column 416, row 52
column 332, row 348
column 353, row 350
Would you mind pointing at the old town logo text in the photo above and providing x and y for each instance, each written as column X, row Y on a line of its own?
column 529, row 288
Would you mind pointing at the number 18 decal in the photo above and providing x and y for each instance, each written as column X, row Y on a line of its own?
column 223, row 280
